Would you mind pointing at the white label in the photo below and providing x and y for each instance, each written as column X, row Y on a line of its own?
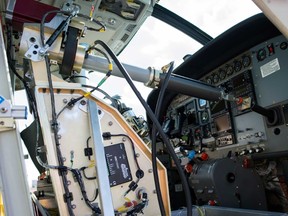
column 270, row 68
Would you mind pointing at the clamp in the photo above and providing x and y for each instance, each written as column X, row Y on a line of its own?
column 9, row 112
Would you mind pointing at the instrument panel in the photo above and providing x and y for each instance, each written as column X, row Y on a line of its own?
column 218, row 127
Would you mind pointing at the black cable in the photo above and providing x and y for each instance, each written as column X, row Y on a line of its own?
column 29, row 95
column 72, row 77
column 85, row 176
column 11, row 63
column 42, row 24
column 113, row 100
column 102, row 28
column 154, row 131
column 87, row 144
column 55, row 129
column 100, row 51
column 108, row 74
column 96, row 195
column 79, row 179
column 133, row 148
column 157, row 124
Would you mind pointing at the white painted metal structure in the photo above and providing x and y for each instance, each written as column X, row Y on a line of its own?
column 12, row 169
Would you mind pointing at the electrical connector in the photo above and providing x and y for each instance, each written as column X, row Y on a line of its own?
column 106, row 135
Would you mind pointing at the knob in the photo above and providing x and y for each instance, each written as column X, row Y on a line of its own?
column 252, row 151
column 259, row 149
column 244, row 152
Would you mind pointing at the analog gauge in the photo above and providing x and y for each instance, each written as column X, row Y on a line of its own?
column 229, row 70
column 246, row 61
column 204, row 116
column 261, row 54
column 222, row 74
column 237, row 65
column 215, row 78
column 209, row 80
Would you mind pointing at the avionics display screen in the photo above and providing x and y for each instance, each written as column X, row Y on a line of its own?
column 202, row 103
column 222, row 123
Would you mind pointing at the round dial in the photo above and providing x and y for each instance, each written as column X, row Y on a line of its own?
column 246, row 61
column 237, row 65
column 229, row 70
column 215, row 78
column 222, row 74
column 209, row 80
column 261, row 54
column 204, row 116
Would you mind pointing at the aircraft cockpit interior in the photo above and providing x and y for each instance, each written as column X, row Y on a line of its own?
column 214, row 138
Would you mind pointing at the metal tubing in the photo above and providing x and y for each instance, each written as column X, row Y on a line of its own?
column 99, row 64
column 192, row 87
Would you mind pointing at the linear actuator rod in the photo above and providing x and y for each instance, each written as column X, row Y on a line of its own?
column 99, row 64
column 154, row 78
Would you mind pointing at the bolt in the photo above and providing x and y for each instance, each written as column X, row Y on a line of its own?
column 137, row 155
column 64, row 159
column 32, row 40
column 65, row 100
column 111, row 21
column 83, row 102
column 124, row 139
column 73, row 206
column 3, row 109
column 99, row 112
column 42, row 51
column 154, row 191
column 68, row 182
column 110, row 123
column 150, row 171
column 59, row 136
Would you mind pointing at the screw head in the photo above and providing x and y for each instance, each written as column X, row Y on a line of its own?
column 83, row 102
column 3, row 109
column 111, row 21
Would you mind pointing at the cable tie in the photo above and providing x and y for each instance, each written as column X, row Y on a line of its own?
column 110, row 67
column 87, row 94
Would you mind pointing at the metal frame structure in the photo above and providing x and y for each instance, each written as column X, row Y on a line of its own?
column 12, row 169
column 102, row 171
